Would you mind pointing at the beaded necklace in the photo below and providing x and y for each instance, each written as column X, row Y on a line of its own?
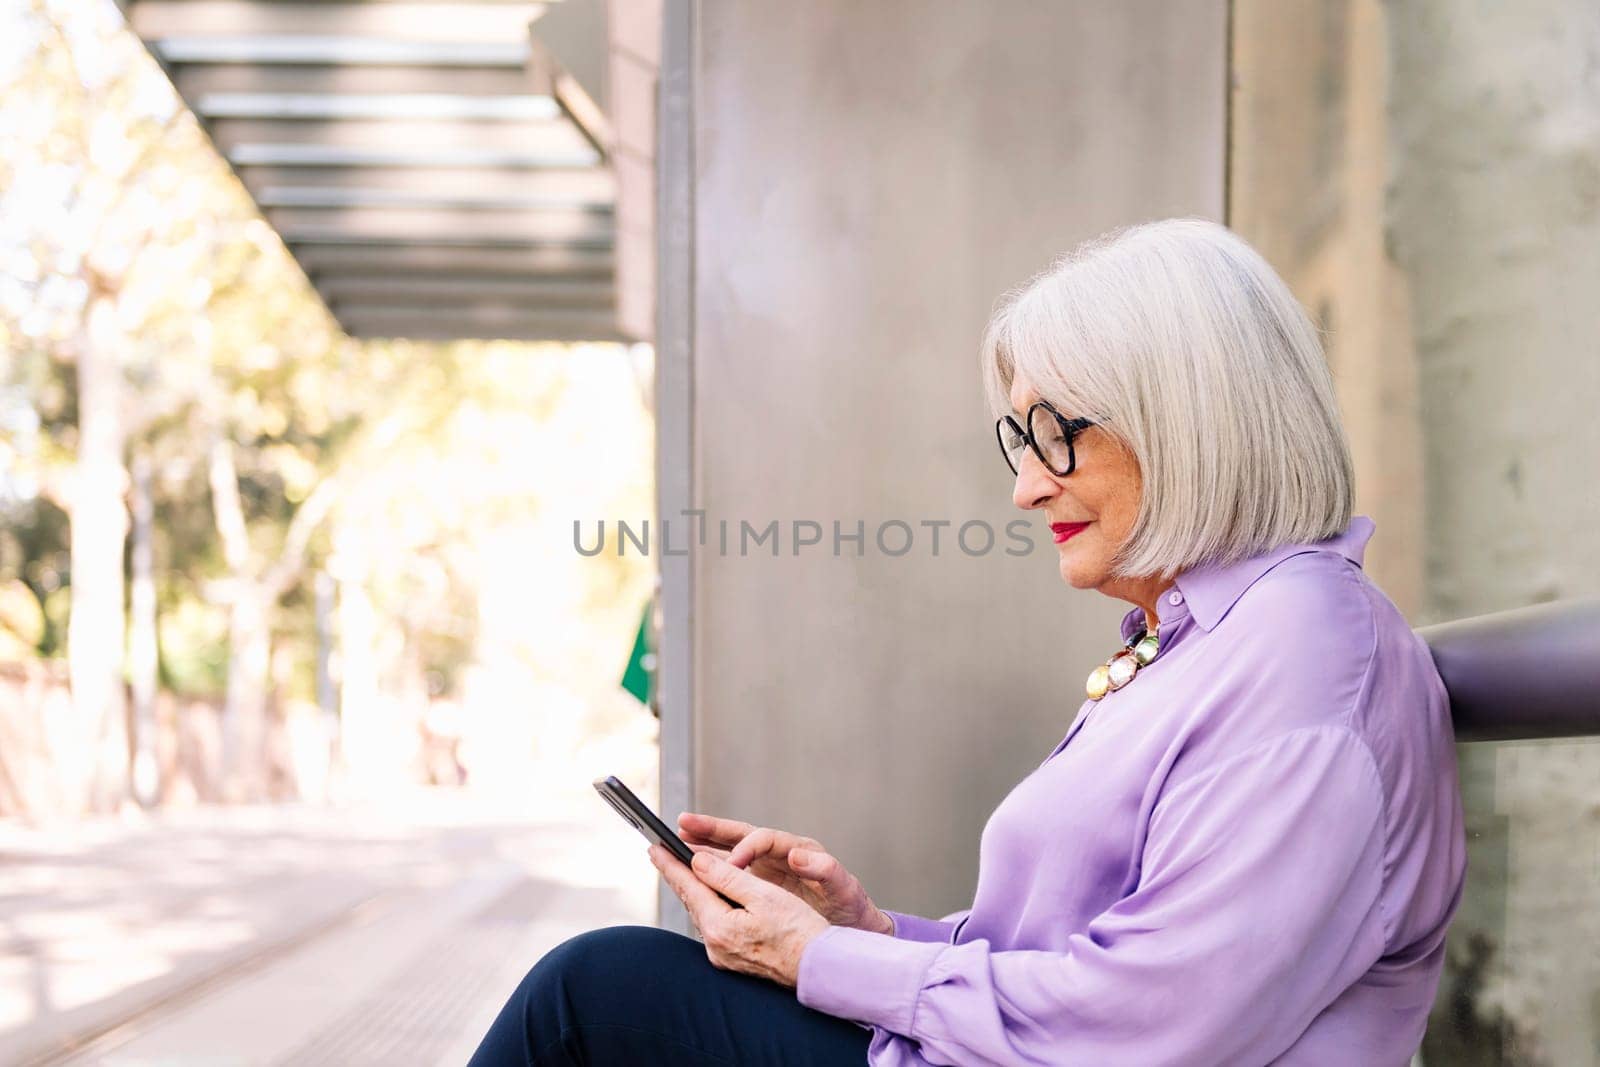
column 1119, row 670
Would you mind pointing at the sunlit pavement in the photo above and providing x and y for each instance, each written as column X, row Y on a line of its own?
column 389, row 934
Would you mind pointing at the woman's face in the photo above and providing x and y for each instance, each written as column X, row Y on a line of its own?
column 1102, row 491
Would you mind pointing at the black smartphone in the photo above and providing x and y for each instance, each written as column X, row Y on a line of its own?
column 642, row 819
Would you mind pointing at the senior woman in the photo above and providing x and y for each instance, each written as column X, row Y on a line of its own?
column 1248, row 846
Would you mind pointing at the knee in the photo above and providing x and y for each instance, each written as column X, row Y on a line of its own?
column 584, row 965
column 591, row 948
column 585, row 979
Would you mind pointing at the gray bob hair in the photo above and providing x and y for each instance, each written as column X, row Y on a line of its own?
column 1183, row 343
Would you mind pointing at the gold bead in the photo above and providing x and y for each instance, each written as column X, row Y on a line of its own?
column 1099, row 682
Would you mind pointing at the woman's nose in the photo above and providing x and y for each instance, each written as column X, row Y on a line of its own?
column 1034, row 486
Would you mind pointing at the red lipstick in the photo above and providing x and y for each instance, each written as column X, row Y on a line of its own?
column 1064, row 530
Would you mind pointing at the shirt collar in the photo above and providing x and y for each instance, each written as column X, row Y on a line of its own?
column 1210, row 590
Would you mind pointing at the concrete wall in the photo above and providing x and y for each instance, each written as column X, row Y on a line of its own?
column 863, row 182
column 1494, row 214
column 1427, row 177
column 1308, row 173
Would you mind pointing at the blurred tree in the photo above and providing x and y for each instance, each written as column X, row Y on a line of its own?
column 72, row 301
column 116, row 193
column 186, row 438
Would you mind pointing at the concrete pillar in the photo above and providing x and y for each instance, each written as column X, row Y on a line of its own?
column 845, row 191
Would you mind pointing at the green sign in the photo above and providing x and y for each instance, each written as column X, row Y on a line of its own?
column 640, row 673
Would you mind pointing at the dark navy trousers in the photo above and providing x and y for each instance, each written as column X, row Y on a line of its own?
column 634, row 995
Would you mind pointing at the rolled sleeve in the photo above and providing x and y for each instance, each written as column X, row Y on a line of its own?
column 871, row 978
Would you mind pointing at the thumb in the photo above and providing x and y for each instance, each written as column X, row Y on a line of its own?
column 725, row 878
column 818, row 866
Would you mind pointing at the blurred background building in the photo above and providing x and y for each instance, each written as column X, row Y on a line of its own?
column 316, row 371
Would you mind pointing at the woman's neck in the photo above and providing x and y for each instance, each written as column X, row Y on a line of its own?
column 1143, row 593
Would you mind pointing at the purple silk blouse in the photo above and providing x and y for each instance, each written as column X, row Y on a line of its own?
column 1247, row 855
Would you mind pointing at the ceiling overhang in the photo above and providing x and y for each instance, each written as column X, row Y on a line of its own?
column 431, row 166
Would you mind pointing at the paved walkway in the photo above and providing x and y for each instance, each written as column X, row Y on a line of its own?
column 294, row 935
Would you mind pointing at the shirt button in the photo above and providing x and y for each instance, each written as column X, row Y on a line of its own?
column 1174, row 598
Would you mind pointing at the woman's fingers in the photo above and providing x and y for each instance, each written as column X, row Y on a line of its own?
column 764, row 937
column 763, row 842
column 731, row 881
column 819, row 867
column 757, row 842
column 740, row 843
column 701, row 902
column 714, row 850
column 710, row 830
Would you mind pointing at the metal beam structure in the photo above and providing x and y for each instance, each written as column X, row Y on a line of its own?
column 417, row 158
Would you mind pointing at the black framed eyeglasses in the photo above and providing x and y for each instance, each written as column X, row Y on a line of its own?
column 1049, row 433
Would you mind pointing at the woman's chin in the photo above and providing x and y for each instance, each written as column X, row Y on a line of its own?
column 1073, row 574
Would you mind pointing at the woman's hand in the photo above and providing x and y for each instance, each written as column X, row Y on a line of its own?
column 798, row 865
column 766, row 937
